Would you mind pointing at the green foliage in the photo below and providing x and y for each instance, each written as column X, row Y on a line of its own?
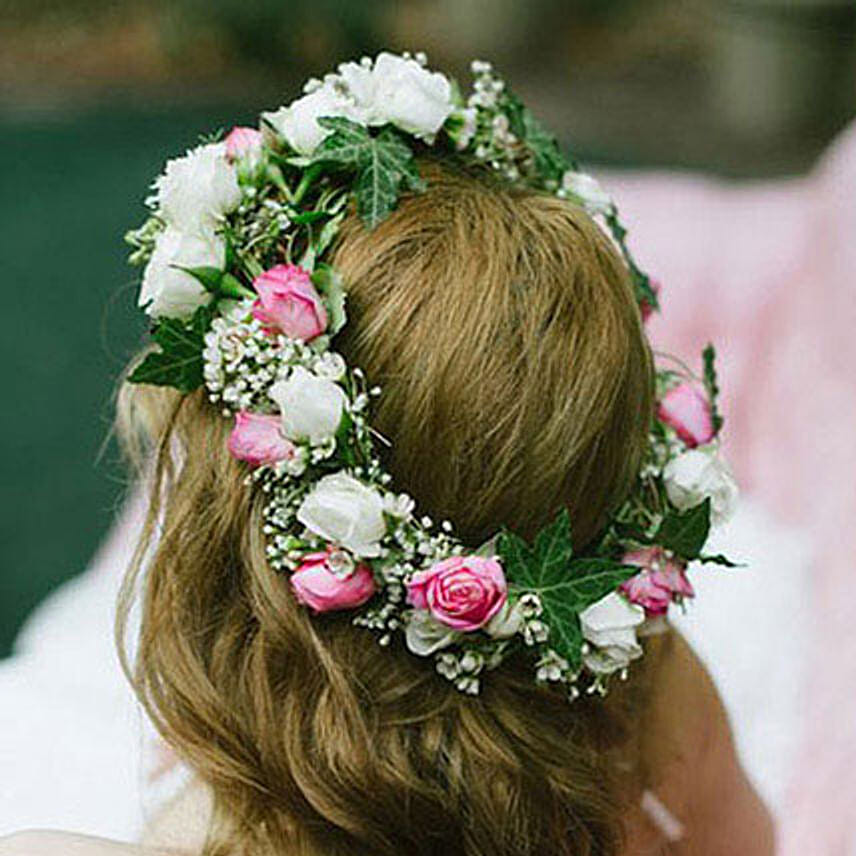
column 383, row 165
column 685, row 533
column 565, row 585
column 710, row 383
column 550, row 163
column 178, row 363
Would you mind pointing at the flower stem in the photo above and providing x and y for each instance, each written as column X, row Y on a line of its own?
column 305, row 183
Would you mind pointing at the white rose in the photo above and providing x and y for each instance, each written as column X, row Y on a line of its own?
column 168, row 291
column 311, row 407
column 424, row 634
column 587, row 189
column 344, row 511
column 700, row 474
column 298, row 124
column 196, row 190
column 410, row 97
column 610, row 626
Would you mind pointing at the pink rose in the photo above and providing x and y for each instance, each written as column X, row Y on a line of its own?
column 289, row 303
column 316, row 586
column 645, row 307
column 463, row 592
column 243, row 142
column 686, row 410
column 258, row 440
column 661, row 580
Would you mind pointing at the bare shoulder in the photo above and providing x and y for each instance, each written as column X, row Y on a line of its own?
column 48, row 843
column 691, row 754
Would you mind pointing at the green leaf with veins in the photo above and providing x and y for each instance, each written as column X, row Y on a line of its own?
column 383, row 165
column 685, row 532
column 179, row 361
column 565, row 585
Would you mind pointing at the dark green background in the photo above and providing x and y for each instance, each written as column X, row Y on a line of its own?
column 70, row 186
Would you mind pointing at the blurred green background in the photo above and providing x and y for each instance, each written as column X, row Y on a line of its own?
column 94, row 95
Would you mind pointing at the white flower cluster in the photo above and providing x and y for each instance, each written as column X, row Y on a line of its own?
column 390, row 89
column 192, row 198
column 241, row 361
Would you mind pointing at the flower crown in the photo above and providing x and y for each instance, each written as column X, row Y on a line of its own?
column 244, row 304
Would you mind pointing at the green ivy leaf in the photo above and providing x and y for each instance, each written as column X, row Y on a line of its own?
column 332, row 289
column 565, row 586
column 179, row 362
column 685, row 533
column 383, row 165
column 549, row 160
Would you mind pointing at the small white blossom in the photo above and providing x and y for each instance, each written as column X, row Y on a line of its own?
column 330, row 366
column 589, row 192
column 400, row 506
column 340, row 563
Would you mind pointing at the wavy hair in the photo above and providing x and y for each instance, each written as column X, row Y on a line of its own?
column 517, row 379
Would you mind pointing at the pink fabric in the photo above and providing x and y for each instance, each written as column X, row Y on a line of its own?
column 768, row 272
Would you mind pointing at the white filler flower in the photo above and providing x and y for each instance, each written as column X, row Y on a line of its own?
column 700, row 474
column 169, row 291
column 197, row 190
column 346, row 512
column 311, row 407
column 587, row 189
column 610, row 626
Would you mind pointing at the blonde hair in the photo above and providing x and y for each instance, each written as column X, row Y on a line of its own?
column 502, row 327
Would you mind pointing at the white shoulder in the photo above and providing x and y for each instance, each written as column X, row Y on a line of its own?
column 43, row 843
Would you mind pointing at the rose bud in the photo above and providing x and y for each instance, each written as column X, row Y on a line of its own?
column 463, row 592
column 686, row 410
column 258, row 440
column 317, row 586
column 288, row 303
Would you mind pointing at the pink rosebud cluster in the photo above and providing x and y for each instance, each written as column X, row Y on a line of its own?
column 462, row 592
column 660, row 580
column 688, row 411
column 316, row 584
column 242, row 142
column 288, row 303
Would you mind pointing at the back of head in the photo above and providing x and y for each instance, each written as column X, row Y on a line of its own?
column 501, row 324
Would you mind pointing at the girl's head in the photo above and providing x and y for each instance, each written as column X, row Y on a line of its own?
column 516, row 379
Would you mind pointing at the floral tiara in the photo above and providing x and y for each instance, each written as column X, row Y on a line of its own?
column 244, row 304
